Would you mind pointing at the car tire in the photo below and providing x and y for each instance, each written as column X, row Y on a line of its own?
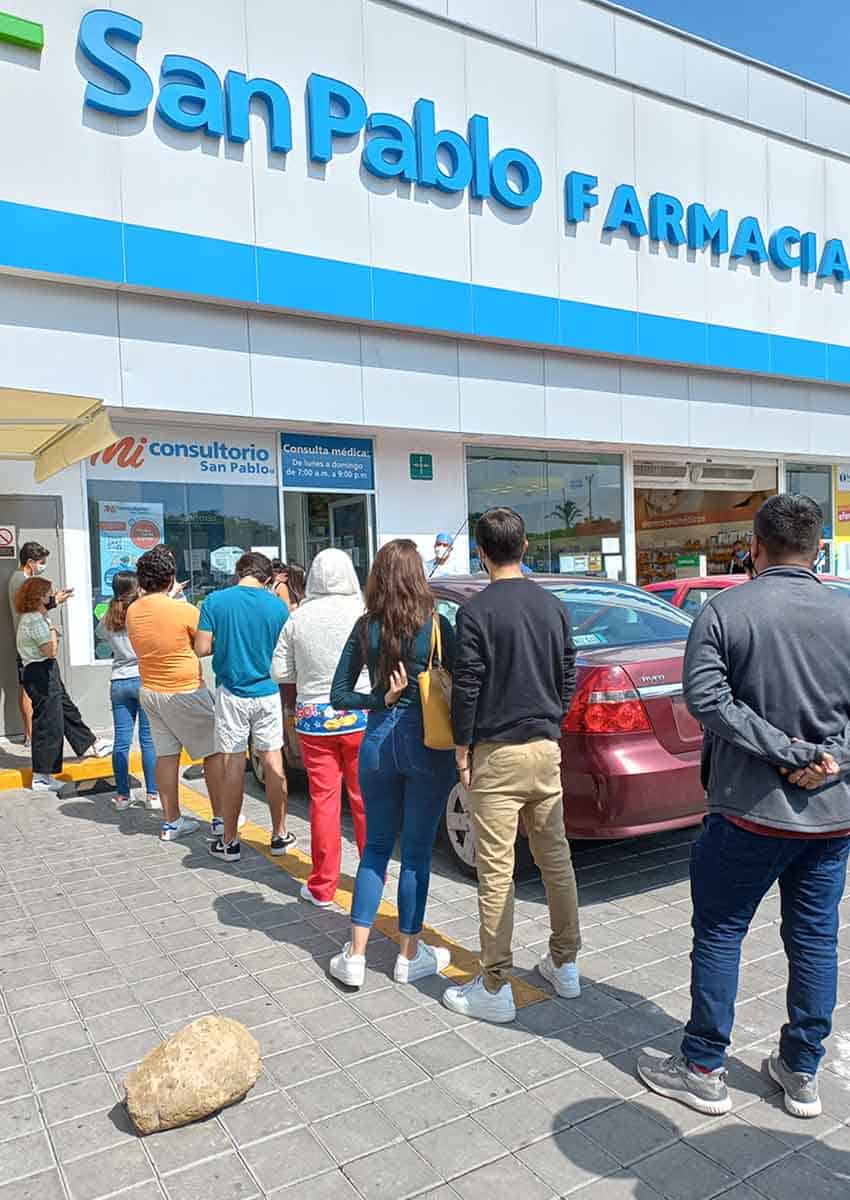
column 460, row 840
column 457, row 832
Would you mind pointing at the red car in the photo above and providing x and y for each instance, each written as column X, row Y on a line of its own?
column 691, row 594
column 630, row 748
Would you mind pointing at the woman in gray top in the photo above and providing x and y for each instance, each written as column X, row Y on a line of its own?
column 125, row 696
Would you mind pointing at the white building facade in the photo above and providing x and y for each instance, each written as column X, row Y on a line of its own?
column 360, row 269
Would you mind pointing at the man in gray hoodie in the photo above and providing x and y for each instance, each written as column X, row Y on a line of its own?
column 767, row 673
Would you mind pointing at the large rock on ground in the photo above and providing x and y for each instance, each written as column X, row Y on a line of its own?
column 211, row 1063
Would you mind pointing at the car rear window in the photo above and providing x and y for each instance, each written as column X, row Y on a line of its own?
column 612, row 616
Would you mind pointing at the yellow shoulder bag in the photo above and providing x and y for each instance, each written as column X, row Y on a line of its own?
column 435, row 691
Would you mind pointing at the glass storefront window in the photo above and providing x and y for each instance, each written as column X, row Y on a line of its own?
column 316, row 520
column 816, row 481
column 572, row 505
column 207, row 526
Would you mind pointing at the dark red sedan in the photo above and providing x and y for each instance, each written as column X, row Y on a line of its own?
column 630, row 748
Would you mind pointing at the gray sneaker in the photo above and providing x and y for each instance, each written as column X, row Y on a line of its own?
column 673, row 1077
column 801, row 1091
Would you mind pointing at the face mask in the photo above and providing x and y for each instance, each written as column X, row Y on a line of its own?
column 741, row 554
column 39, row 568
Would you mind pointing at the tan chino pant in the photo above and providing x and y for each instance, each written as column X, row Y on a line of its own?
column 509, row 779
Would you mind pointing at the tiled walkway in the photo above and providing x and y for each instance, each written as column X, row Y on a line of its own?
column 112, row 940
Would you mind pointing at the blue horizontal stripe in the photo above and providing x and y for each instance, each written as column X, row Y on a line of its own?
column 79, row 247
column 42, row 239
column 518, row 316
column 421, row 301
column 182, row 262
column 313, row 285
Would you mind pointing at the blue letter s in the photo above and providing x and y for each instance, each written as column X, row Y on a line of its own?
column 95, row 28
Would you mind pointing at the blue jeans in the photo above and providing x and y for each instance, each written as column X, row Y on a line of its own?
column 125, row 709
column 405, row 787
column 731, row 870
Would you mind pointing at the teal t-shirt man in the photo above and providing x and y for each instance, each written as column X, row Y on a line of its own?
column 245, row 622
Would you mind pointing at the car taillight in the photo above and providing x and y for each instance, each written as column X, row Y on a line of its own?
column 606, row 702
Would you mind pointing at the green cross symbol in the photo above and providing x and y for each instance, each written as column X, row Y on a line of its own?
column 21, row 32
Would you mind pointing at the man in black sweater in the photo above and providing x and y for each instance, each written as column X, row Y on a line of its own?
column 513, row 680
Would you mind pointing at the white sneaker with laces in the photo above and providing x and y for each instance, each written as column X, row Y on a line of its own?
column 100, row 748
column 349, row 968
column 46, row 783
column 307, row 895
column 216, row 829
column 564, row 979
column 473, row 1000
column 151, row 802
column 429, row 960
column 172, row 830
column 122, row 803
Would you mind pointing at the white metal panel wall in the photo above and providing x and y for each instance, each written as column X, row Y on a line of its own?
column 187, row 359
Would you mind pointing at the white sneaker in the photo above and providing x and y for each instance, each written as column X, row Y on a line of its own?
column 430, row 960
column 98, row 749
column 46, row 783
column 122, row 803
column 349, row 968
column 172, row 830
column 216, row 829
column 564, row 979
column 151, row 802
column 473, row 1000
column 307, row 895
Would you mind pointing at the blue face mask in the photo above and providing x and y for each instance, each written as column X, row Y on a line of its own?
column 741, row 554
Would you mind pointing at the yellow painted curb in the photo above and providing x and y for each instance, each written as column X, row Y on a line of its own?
column 296, row 864
column 82, row 771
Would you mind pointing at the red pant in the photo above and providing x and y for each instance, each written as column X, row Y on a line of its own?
column 329, row 760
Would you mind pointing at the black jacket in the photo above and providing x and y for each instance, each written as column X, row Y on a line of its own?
column 514, row 673
column 767, row 673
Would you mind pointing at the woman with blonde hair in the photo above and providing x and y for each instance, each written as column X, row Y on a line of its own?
column 404, row 784
column 307, row 654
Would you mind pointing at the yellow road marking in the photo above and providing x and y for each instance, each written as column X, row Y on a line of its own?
column 83, row 771
column 297, row 864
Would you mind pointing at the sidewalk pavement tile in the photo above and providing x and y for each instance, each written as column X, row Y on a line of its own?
column 392, row 1174
column 44, row 1186
column 506, row 1179
column 293, row 1157
column 108, row 1171
column 24, row 1156
column 224, row 1176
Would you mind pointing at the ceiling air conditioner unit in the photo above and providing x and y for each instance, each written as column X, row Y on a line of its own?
column 726, row 478
column 661, row 474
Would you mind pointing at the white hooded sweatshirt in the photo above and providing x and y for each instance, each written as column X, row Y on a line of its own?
column 311, row 641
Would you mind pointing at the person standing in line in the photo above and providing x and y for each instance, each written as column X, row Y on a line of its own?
column 54, row 714
column 441, row 564
column 32, row 562
column 307, row 655
column 124, row 696
column 766, row 671
column 404, row 784
column 240, row 627
column 178, row 706
column 514, row 679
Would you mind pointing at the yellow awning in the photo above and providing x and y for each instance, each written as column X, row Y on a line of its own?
column 51, row 430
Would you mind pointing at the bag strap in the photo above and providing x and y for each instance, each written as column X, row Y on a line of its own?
column 436, row 642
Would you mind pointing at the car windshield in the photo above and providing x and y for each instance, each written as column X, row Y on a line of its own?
column 620, row 616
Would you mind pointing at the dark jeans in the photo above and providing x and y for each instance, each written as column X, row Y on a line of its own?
column 55, row 717
column 731, row 870
column 405, row 787
column 124, row 694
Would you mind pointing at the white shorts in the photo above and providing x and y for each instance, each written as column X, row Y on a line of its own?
column 238, row 718
column 179, row 719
